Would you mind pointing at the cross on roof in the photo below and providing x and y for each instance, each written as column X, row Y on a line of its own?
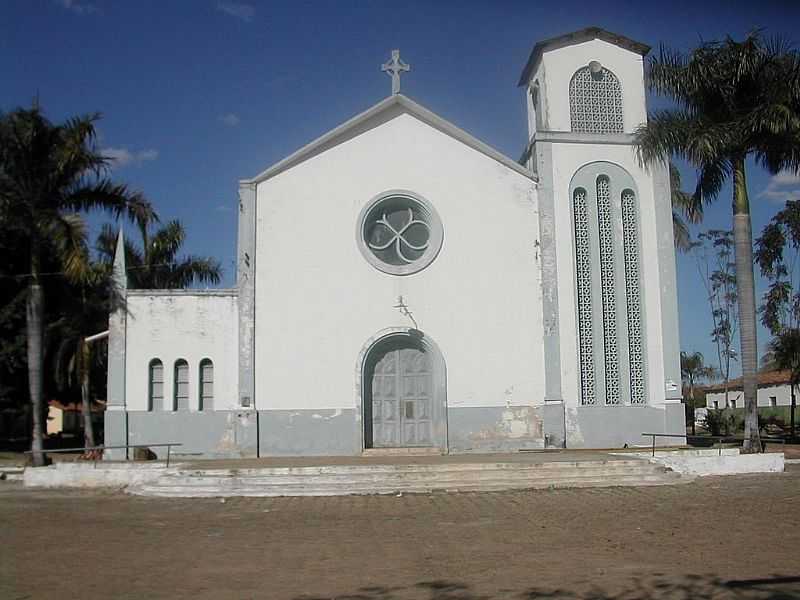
column 393, row 68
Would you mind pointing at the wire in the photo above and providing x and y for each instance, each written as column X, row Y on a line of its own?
column 51, row 273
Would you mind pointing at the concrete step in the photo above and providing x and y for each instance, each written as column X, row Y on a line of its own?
column 11, row 473
column 421, row 468
column 310, row 489
column 410, row 478
column 356, row 477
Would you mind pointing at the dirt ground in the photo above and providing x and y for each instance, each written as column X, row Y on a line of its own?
column 717, row 538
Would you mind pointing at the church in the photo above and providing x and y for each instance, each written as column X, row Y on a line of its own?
column 402, row 287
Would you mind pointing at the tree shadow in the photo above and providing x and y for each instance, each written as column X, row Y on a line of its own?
column 691, row 587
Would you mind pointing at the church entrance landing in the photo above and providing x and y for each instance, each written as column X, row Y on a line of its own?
column 403, row 394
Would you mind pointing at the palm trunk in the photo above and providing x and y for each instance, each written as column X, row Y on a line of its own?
column 743, row 245
column 86, row 407
column 34, row 315
column 791, row 415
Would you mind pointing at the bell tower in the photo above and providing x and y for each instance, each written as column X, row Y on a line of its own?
column 611, row 342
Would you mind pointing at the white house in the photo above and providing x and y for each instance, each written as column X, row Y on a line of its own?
column 402, row 284
column 774, row 390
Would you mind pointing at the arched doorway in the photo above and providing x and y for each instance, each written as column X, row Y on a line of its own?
column 403, row 392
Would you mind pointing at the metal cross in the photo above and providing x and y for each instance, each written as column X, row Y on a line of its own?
column 394, row 67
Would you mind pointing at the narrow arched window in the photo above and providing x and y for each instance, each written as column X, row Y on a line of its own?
column 595, row 100
column 155, row 385
column 206, row 384
column 608, row 287
column 609, row 301
column 181, row 388
column 584, row 296
column 630, row 237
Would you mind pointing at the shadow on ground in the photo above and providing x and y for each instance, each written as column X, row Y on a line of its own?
column 686, row 588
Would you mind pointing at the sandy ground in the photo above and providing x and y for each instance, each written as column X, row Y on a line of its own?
column 716, row 538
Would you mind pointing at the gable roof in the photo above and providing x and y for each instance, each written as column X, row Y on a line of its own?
column 387, row 108
column 764, row 379
column 577, row 37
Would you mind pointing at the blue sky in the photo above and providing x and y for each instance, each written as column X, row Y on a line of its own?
column 198, row 94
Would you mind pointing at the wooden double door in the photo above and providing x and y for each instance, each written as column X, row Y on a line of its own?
column 401, row 406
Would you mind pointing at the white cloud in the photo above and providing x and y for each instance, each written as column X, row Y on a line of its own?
column 782, row 186
column 239, row 10
column 231, row 119
column 122, row 157
column 80, row 8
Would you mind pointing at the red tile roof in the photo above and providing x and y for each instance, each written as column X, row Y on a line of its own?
column 766, row 379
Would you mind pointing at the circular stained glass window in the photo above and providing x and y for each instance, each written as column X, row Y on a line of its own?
column 399, row 233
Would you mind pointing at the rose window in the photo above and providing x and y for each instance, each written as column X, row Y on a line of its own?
column 399, row 233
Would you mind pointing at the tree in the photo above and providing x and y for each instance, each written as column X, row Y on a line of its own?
column 48, row 173
column 693, row 370
column 778, row 256
column 684, row 206
column 735, row 100
column 84, row 313
column 156, row 264
column 713, row 253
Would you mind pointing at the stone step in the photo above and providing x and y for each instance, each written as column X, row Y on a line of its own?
column 237, row 488
column 355, row 476
column 11, row 473
column 419, row 468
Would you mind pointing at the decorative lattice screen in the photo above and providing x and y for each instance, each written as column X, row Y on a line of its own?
column 608, row 288
column 630, row 230
column 584, row 277
column 595, row 102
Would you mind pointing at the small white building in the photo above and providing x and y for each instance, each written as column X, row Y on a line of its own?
column 774, row 390
column 402, row 284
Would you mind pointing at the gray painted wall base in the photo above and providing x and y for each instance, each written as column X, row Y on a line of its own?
column 115, row 433
column 212, row 434
column 555, row 435
column 494, row 429
column 309, row 432
column 244, row 434
column 615, row 426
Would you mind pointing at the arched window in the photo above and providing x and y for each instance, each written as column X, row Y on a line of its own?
column 155, row 385
column 633, row 297
column 608, row 289
column 181, row 389
column 206, row 384
column 584, row 277
column 595, row 100
column 536, row 102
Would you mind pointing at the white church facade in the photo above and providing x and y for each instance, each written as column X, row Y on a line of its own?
column 403, row 285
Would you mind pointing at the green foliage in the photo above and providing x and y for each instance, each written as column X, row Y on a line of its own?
column 48, row 174
column 733, row 101
column 156, row 264
column 684, row 208
column 777, row 251
column 720, row 421
column 713, row 254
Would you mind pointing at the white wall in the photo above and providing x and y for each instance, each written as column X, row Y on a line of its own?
column 182, row 324
column 782, row 393
column 318, row 301
column 558, row 67
column 567, row 159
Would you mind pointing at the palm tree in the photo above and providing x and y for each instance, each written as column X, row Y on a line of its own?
column 156, row 264
column 48, row 173
column 684, row 208
column 736, row 100
column 84, row 311
column 694, row 369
